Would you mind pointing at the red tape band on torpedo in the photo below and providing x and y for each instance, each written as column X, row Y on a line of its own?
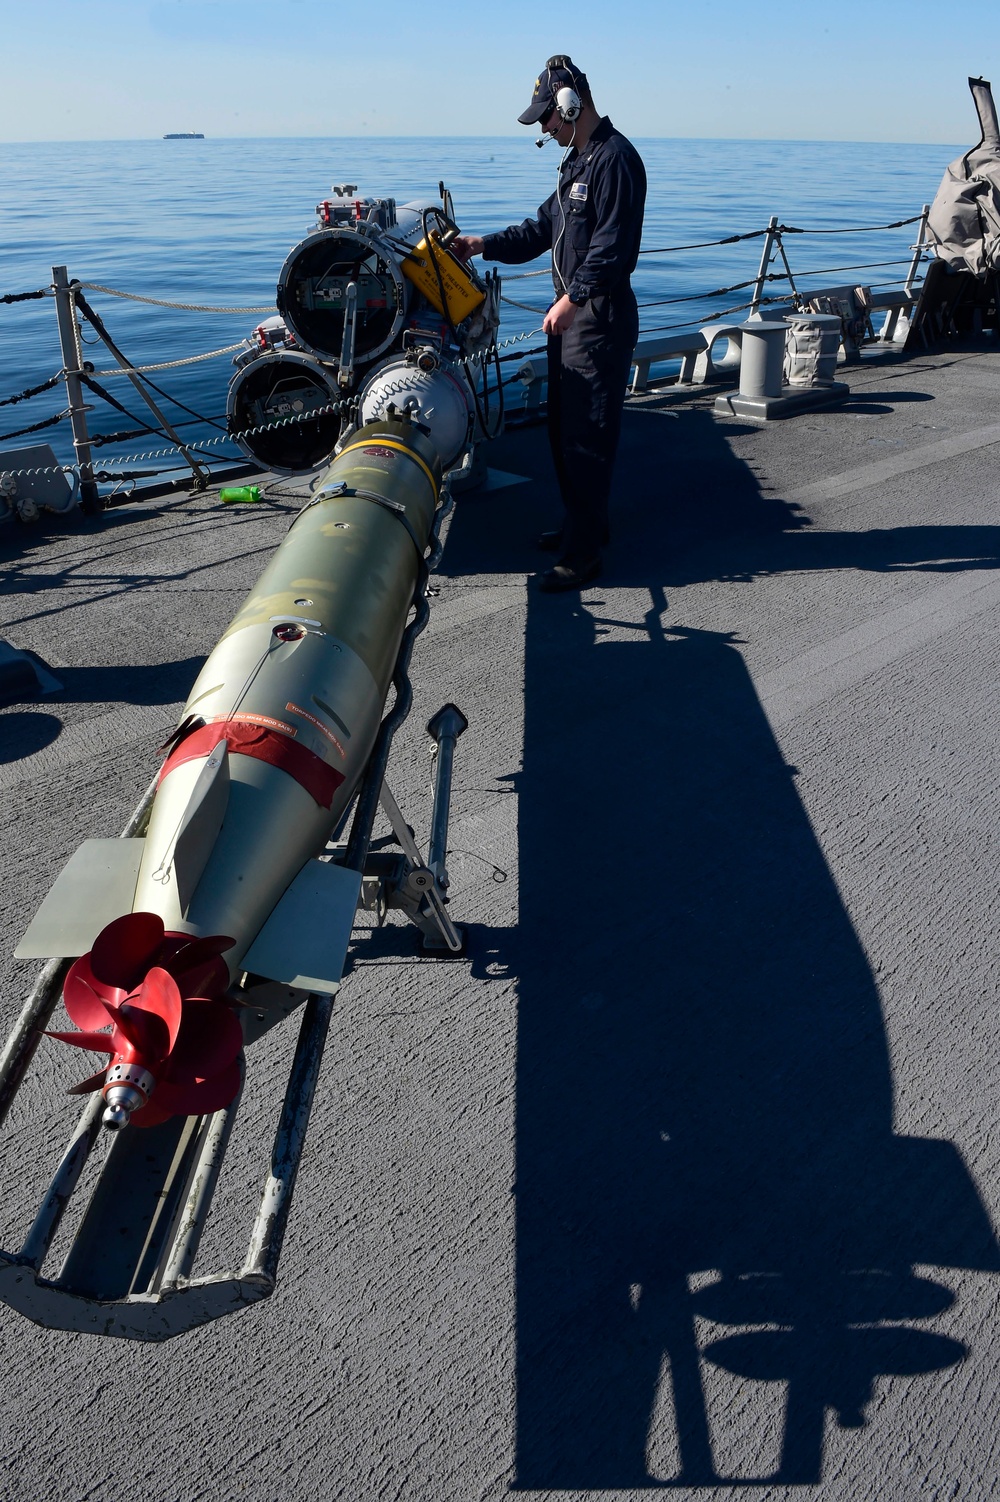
column 309, row 770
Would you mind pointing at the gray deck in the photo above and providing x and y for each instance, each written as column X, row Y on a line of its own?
column 688, row 1176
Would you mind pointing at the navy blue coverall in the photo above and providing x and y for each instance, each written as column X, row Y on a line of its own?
column 592, row 224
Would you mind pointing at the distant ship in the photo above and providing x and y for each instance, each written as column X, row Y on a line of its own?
column 184, row 135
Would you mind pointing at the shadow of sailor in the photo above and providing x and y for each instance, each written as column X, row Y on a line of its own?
column 704, row 1093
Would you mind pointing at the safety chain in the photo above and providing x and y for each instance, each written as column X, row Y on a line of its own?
column 335, row 409
column 331, row 409
column 159, row 302
column 9, row 297
column 9, row 401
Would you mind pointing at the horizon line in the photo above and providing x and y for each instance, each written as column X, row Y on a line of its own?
column 370, row 136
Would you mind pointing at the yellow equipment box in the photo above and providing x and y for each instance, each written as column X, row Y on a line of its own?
column 458, row 281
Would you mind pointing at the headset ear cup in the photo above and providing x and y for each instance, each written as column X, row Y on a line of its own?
column 568, row 105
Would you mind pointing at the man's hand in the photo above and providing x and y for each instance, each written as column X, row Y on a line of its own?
column 559, row 318
column 466, row 246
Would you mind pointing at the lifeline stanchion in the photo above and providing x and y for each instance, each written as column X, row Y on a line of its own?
column 90, row 502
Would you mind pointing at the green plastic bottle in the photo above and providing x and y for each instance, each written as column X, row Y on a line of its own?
column 240, row 493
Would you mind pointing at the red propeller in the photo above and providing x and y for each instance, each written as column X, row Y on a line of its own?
column 174, row 1043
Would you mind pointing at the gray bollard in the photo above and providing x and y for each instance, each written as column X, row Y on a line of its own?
column 763, row 393
column 762, row 359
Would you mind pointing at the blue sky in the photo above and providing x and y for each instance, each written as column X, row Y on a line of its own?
column 123, row 69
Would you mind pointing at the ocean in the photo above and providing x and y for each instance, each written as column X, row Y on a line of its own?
column 210, row 222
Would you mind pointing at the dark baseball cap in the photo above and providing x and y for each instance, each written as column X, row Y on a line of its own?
column 552, row 78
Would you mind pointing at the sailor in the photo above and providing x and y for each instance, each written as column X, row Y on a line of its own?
column 591, row 224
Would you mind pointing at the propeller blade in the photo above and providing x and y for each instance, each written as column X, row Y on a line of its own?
column 88, row 1087
column 159, row 997
column 202, row 1098
column 153, row 1113
column 124, row 951
column 207, row 979
column 145, row 1031
column 210, row 1040
column 96, row 1042
column 199, row 950
column 84, row 996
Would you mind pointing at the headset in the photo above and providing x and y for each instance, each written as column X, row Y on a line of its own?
column 568, row 103
column 569, row 107
column 567, row 100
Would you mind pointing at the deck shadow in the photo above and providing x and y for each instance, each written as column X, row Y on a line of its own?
column 687, row 510
column 704, row 1088
column 130, row 683
column 709, row 1188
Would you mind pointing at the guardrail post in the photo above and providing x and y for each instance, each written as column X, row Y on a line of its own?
column 765, row 261
column 918, row 249
column 90, row 501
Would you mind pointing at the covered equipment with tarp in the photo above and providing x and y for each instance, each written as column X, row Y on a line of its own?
column 964, row 221
column 960, row 292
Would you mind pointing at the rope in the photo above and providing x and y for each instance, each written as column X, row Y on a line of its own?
column 159, row 302
column 36, row 427
column 9, row 297
column 522, row 276
column 9, row 401
column 227, row 349
column 525, row 307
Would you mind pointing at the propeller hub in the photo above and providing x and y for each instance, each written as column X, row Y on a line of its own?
column 128, row 1088
column 135, row 1075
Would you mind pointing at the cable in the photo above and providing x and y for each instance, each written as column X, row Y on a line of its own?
column 36, row 427
column 98, row 390
column 210, row 421
column 864, row 229
column 562, row 212
column 10, row 401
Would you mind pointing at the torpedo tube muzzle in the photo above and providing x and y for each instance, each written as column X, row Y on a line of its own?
column 284, row 410
column 334, row 271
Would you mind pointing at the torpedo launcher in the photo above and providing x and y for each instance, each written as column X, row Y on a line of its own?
column 229, row 901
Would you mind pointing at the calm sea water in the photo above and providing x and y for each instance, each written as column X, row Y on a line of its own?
column 212, row 221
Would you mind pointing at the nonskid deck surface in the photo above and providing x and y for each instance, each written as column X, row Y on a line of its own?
column 688, row 1174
